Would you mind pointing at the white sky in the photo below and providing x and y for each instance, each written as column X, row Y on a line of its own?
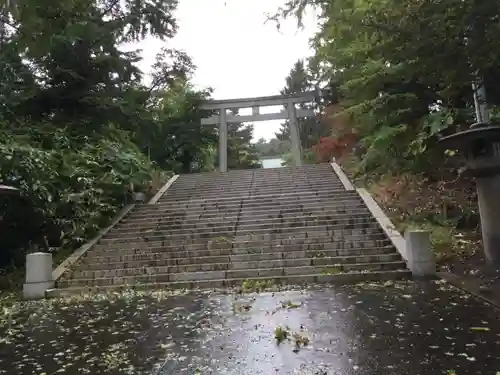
column 235, row 52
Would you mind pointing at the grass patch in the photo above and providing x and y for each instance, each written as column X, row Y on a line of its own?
column 249, row 286
column 281, row 334
column 290, row 305
column 334, row 270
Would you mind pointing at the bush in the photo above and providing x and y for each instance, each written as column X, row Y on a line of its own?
column 66, row 193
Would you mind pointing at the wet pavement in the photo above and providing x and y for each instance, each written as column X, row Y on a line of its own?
column 371, row 328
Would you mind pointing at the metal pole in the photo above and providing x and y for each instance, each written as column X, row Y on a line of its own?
column 483, row 115
column 294, row 133
column 479, row 93
column 223, row 141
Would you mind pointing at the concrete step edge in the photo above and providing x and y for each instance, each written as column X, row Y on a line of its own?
column 154, row 251
column 342, row 278
column 351, row 209
column 251, row 208
column 340, row 262
column 238, row 229
column 176, row 271
column 212, row 235
column 232, row 194
column 219, row 198
column 302, row 175
column 249, row 205
column 362, row 219
column 233, row 245
column 363, row 211
column 272, row 224
column 133, row 278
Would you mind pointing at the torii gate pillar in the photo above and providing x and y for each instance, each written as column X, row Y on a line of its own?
column 222, row 140
column 294, row 134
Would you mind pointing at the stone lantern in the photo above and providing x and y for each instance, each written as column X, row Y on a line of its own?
column 481, row 146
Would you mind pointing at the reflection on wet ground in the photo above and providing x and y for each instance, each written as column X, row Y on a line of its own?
column 392, row 328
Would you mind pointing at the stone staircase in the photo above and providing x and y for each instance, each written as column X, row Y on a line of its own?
column 289, row 225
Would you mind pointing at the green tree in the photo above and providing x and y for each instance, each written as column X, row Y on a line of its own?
column 310, row 129
column 241, row 153
column 274, row 147
column 177, row 141
column 404, row 69
column 79, row 130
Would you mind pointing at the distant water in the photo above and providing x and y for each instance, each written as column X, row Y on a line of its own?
column 272, row 163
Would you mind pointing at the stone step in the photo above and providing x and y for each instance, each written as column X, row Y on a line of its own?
column 251, row 206
column 252, row 190
column 293, row 168
column 244, row 216
column 232, row 225
column 222, row 198
column 289, row 170
column 239, row 261
column 228, row 227
column 255, row 192
column 337, row 214
column 270, row 174
column 337, row 264
column 333, row 207
column 284, row 251
column 157, row 257
column 303, row 178
column 254, row 204
column 257, row 176
column 280, row 182
column 185, row 223
column 319, row 242
column 264, row 184
column 348, row 196
column 295, row 280
column 201, row 193
column 228, row 274
column 228, row 232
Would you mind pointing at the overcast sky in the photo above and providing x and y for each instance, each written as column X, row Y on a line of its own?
column 235, row 52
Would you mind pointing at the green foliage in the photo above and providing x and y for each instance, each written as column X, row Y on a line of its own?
column 177, row 141
column 273, row 148
column 404, row 148
column 241, row 153
column 79, row 130
column 70, row 195
column 301, row 79
column 308, row 157
column 404, row 67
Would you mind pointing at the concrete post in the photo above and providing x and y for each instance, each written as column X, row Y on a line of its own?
column 420, row 257
column 38, row 275
column 223, row 141
column 294, row 133
column 488, row 196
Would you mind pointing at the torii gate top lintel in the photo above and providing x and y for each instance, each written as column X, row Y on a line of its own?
column 262, row 101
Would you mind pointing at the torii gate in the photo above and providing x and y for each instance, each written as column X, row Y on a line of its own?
column 289, row 113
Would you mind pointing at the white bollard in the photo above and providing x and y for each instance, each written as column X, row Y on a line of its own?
column 38, row 275
column 420, row 257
